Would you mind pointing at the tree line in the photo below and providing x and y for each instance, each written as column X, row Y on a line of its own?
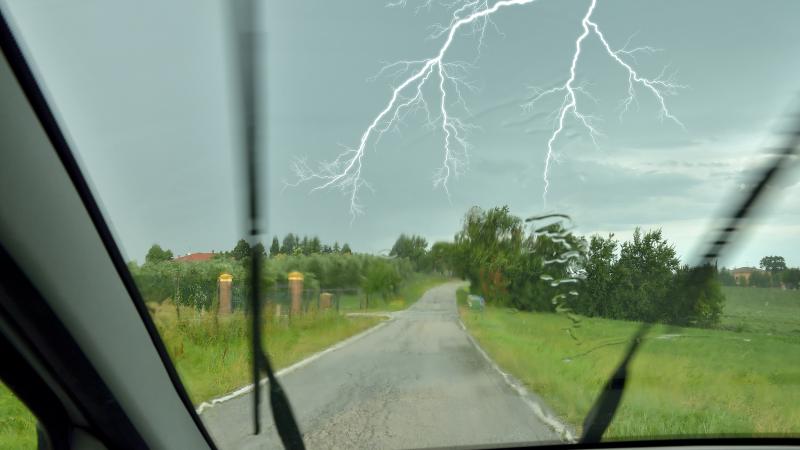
column 540, row 265
column 194, row 283
column 774, row 273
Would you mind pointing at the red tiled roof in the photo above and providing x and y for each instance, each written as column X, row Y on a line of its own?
column 195, row 257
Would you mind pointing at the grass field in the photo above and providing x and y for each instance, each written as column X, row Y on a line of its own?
column 409, row 293
column 17, row 424
column 684, row 381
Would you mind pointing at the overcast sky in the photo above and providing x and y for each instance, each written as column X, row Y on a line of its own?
column 144, row 91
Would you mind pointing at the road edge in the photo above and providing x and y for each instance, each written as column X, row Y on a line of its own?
column 539, row 410
column 286, row 370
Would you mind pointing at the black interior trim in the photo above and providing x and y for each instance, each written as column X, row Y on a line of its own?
column 50, row 343
column 36, row 98
column 34, row 392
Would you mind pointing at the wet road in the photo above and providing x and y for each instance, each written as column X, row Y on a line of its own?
column 417, row 381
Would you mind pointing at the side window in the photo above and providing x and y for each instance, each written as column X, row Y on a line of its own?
column 17, row 423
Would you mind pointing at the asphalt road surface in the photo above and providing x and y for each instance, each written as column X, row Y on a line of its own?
column 417, row 381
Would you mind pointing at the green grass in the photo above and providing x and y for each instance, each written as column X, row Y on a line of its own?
column 213, row 357
column 701, row 382
column 17, row 424
column 411, row 290
column 762, row 310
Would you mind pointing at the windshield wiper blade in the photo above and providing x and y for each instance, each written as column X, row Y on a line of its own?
column 285, row 423
column 607, row 403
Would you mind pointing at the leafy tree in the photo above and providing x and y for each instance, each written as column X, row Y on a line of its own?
column 598, row 296
column 336, row 248
column 441, row 256
column 696, row 297
column 346, row 249
column 726, row 277
column 643, row 276
column 382, row 279
column 289, row 244
column 314, row 245
column 156, row 254
column 259, row 250
column 241, row 251
column 760, row 279
column 304, row 248
column 791, row 278
column 414, row 248
column 773, row 264
column 275, row 247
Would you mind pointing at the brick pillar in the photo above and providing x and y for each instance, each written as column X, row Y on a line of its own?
column 325, row 300
column 296, row 291
column 224, row 289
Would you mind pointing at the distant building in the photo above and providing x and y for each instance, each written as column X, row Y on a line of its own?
column 742, row 275
column 194, row 257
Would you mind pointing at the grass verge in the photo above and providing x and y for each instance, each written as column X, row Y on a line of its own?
column 686, row 381
column 411, row 290
column 212, row 355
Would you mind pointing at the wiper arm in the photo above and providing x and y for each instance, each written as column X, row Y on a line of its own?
column 282, row 415
column 604, row 408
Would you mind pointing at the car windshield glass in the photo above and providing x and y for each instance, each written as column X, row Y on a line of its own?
column 471, row 207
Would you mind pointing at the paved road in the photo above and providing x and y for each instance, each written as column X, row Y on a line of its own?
column 415, row 382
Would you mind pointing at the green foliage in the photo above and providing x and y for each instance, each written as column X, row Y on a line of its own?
column 643, row 276
column 791, row 278
column 442, row 256
column 415, row 249
column 726, row 277
column 381, row 278
column 346, row 249
column 773, row 264
column 156, row 255
column 275, row 247
column 241, row 251
column 760, row 279
column 509, row 268
column 551, row 269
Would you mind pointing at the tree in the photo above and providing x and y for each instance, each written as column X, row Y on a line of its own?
column 275, row 248
column 304, row 248
column 643, row 276
column 791, row 278
column 314, row 245
column 380, row 278
column 336, row 248
column 441, row 256
column 156, row 254
column 346, row 249
column 599, row 292
column 726, row 277
column 773, row 264
column 414, row 248
column 259, row 250
column 760, row 279
column 241, row 251
column 289, row 244
column 696, row 297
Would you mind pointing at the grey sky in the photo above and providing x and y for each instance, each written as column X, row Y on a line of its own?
column 144, row 91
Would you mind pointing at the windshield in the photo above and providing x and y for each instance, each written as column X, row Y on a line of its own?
column 471, row 209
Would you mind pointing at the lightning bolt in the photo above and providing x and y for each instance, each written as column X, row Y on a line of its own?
column 449, row 78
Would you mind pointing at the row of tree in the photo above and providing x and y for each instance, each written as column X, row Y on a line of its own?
column 293, row 245
column 549, row 268
column 194, row 283
column 774, row 273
